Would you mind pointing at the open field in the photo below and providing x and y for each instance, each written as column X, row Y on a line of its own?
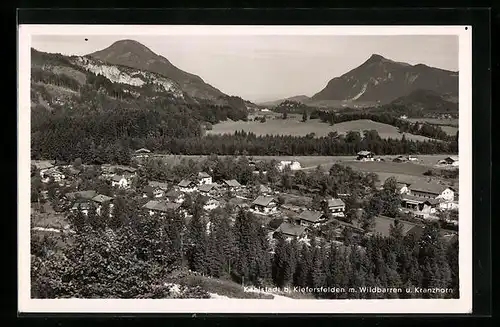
column 450, row 130
column 295, row 127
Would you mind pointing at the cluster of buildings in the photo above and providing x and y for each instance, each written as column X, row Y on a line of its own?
column 423, row 200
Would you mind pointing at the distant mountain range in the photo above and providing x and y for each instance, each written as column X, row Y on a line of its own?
column 379, row 81
column 298, row 98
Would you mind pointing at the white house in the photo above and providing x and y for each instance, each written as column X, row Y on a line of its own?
column 264, row 205
column 120, row 181
column 204, row 178
column 232, row 184
column 432, row 191
column 293, row 165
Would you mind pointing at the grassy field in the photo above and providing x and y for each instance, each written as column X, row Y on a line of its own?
column 294, row 126
column 450, row 130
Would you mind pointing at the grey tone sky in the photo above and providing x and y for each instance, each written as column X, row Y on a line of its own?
column 267, row 67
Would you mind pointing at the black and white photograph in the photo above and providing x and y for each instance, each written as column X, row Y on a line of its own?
column 245, row 169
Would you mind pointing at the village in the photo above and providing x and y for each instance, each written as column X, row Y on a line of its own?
column 290, row 213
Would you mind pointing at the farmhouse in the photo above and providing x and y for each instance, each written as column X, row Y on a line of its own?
column 293, row 165
column 120, row 181
column 232, row 184
column 207, row 189
column 264, row 205
column 421, row 207
column 204, row 178
column 450, row 161
column 336, row 207
column 291, row 231
column 187, row 186
column 160, row 207
column 310, row 218
column 432, row 191
column 365, row 156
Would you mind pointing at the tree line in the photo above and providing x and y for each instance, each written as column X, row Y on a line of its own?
column 131, row 254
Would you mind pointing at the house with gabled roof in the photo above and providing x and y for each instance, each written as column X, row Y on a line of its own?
column 232, row 184
column 187, row 186
column 365, row 156
column 158, row 188
column 291, row 230
column 204, row 178
column 310, row 218
column 160, row 207
column 421, row 207
column 432, row 191
column 264, row 205
column 84, row 195
column 120, row 181
column 336, row 207
column 101, row 199
column 207, row 189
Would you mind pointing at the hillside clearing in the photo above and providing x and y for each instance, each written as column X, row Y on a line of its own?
column 295, row 127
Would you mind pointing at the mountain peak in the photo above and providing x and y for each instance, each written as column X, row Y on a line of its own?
column 136, row 55
column 376, row 57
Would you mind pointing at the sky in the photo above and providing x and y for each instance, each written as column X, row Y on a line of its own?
column 269, row 67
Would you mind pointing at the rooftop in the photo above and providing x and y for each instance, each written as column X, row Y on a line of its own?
column 263, row 200
column 160, row 185
column 101, row 198
column 203, row 175
column 206, row 187
column 89, row 194
column 185, row 183
column 310, row 216
column 432, row 188
column 232, row 183
column 161, row 206
column 335, row 202
column 383, row 225
column 364, row 153
column 291, row 229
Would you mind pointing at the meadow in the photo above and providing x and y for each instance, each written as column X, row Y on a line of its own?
column 294, row 126
column 448, row 125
